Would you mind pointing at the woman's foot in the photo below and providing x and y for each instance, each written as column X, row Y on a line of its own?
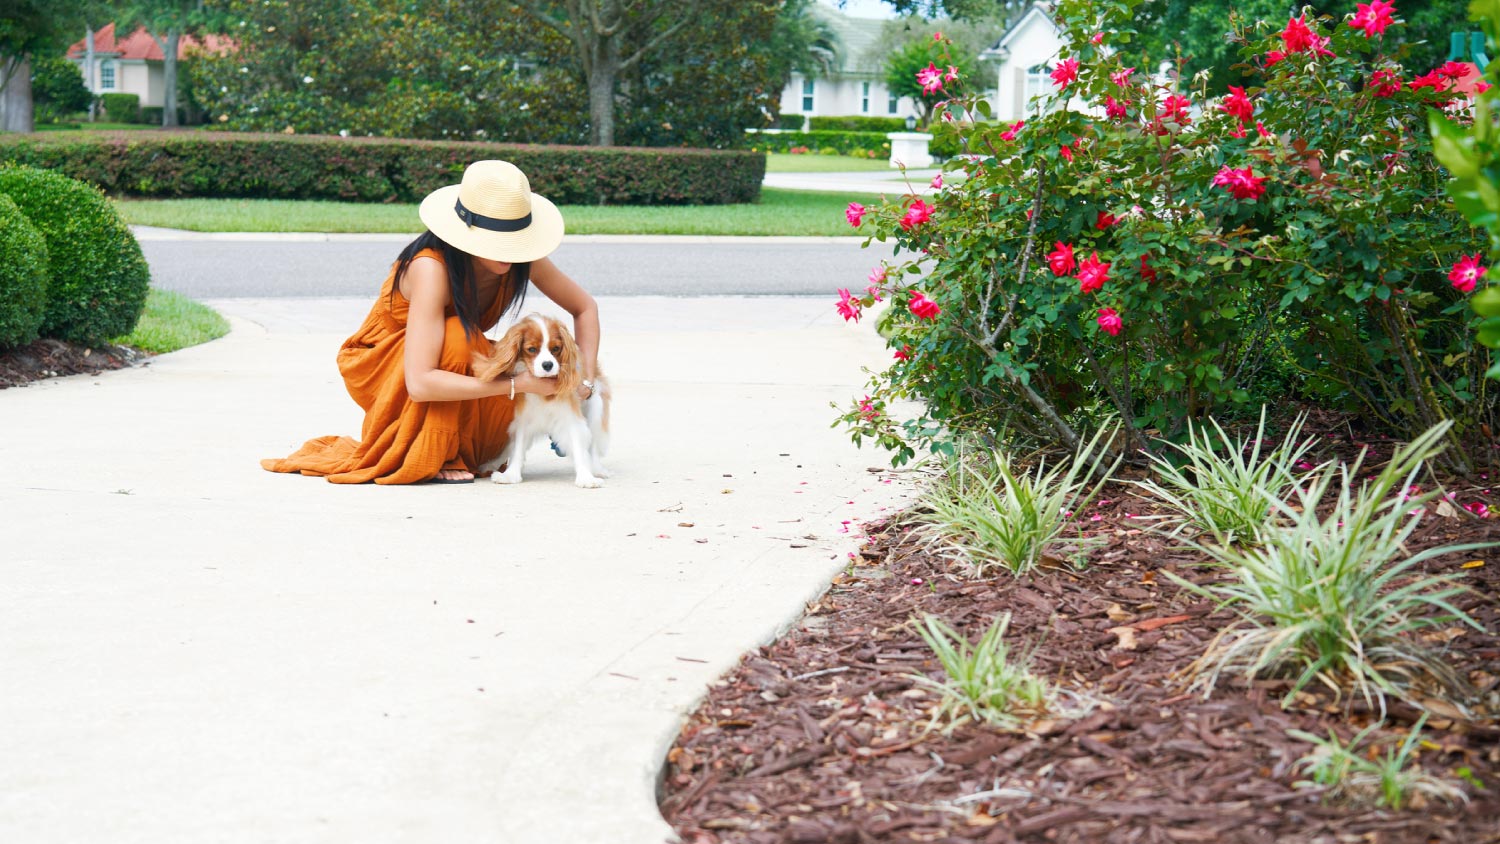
column 455, row 475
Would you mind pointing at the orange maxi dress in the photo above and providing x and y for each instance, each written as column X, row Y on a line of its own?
column 404, row 441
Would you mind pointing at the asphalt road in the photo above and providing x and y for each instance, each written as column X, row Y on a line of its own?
column 268, row 268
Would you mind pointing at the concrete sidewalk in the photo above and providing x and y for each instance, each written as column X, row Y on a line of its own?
column 197, row 650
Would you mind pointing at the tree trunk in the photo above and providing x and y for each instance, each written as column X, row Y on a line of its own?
column 90, row 73
column 15, row 97
column 602, row 76
column 169, row 77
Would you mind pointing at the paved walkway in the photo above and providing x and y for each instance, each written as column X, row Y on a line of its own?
column 200, row 651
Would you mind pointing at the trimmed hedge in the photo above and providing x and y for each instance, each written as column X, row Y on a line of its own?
column 98, row 277
column 790, row 122
column 231, row 165
column 858, row 123
column 121, row 108
column 23, row 276
column 860, row 144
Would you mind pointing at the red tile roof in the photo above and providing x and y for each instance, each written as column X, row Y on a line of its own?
column 140, row 45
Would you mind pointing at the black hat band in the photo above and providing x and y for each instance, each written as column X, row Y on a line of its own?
column 494, row 224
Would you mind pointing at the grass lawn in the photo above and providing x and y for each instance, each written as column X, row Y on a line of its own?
column 172, row 321
column 785, row 162
column 780, row 212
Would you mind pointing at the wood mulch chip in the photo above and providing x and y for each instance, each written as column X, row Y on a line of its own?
column 823, row 736
column 48, row 358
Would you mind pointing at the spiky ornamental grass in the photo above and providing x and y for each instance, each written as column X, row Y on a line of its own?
column 1391, row 779
column 1228, row 491
column 1336, row 598
column 991, row 514
column 985, row 684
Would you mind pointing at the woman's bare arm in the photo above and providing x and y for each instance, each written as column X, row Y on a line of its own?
column 557, row 286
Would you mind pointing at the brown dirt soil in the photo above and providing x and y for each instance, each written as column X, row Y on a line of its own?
column 823, row 736
column 47, row 358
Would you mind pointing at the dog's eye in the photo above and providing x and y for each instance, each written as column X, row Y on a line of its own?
column 557, row 350
column 531, row 350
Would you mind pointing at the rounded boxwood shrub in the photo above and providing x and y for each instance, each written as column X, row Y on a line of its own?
column 98, row 277
column 23, row 276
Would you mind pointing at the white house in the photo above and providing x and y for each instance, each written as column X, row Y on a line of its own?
column 855, row 82
column 1024, row 58
column 132, row 64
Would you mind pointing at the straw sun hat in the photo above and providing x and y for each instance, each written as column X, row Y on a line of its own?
column 493, row 214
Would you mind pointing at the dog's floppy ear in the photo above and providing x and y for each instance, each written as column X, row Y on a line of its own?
column 502, row 357
column 570, row 368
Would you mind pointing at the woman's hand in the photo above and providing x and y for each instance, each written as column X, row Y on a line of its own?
column 528, row 383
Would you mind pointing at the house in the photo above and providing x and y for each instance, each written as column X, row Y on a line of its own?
column 133, row 64
column 854, row 83
column 1024, row 58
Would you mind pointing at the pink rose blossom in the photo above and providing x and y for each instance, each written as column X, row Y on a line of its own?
column 854, row 213
column 1466, row 272
column 1176, row 108
column 1010, row 134
column 919, row 213
column 877, row 275
column 930, row 78
column 874, row 293
column 1097, row 39
column 1092, row 273
column 1114, row 109
column 1237, row 105
column 1481, row 86
column 923, row 307
column 1121, row 78
column 1109, row 321
column 848, row 306
column 1432, row 79
column 1320, row 45
column 1455, row 70
column 868, row 412
column 1241, row 183
column 1261, row 128
column 951, row 75
column 1238, row 131
column 1296, row 37
column 1147, row 272
column 1060, row 259
column 1478, row 508
column 937, row 182
column 1274, row 56
column 1066, row 151
column 904, row 354
column 1385, row 82
column 1065, row 72
column 1373, row 17
column 1105, row 220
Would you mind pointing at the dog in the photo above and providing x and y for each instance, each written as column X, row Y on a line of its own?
column 579, row 427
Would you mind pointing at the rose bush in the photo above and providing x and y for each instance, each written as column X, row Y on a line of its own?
column 1167, row 254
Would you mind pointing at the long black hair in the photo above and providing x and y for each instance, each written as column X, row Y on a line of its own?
column 461, row 280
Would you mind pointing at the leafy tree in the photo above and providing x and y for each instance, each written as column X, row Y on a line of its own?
column 902, row 67
column 166, row 21
column 29, row 28
column 611, row 37
column 57, row 88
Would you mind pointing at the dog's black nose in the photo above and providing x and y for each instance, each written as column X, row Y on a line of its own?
column 546, row 366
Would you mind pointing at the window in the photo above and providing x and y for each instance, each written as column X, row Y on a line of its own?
column 807, row 95
column 891, row 105
column 864, row 98
column 107, row 75
column 1038, row 83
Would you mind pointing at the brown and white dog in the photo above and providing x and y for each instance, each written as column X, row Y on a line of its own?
column 578, row 427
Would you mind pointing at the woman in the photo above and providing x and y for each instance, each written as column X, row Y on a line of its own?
column 426, row 418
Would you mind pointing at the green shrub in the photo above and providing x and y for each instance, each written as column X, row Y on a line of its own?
column 860, row 144
column 121, row 108
column 1163, row 255
column 23, row 276
column 98, row 278
column 57, row 88
column 232, row 165
column 790, row 122
column 856, row 123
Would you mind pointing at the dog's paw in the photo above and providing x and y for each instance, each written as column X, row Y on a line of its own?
column 602, row 472
column 588, row 482
column 506, row 478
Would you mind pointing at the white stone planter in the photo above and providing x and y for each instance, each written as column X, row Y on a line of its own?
column 909, row 149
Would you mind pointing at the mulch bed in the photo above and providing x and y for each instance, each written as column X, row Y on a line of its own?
column 823, row 736
column 48, row 358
